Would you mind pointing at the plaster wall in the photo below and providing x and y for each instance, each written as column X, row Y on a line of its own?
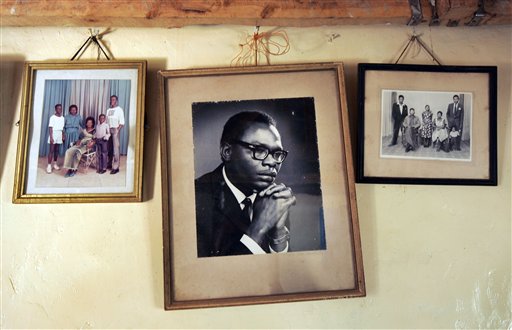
column 434, row 256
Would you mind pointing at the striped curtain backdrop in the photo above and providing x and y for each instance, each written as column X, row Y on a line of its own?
column 92, row 98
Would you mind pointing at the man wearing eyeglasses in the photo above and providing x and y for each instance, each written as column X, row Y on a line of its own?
column 240, row 209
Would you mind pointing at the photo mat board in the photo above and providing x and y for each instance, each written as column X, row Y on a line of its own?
column 458, row 147
column 316, row 91
column 86, row 87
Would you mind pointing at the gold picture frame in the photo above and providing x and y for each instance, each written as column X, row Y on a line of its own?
column 324, row 259
column 82, row 91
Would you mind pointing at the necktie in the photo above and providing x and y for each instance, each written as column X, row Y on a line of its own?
column 246, row 212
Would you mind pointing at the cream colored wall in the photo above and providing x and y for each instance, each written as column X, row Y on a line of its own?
column 434, row 256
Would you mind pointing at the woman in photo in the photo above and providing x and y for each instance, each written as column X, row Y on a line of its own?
column 79, row 147
column 440, row 134
column 426, row 127
column 73, row 125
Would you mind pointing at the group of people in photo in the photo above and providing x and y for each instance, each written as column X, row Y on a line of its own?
column 78, row 137
column 432, row 130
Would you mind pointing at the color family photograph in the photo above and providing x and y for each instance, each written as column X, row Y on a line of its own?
column 84, row 130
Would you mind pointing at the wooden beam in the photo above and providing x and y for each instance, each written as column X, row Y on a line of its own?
column 177, row 13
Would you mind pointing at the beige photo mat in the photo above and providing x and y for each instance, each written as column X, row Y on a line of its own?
column 196, row 278
column 475, row 83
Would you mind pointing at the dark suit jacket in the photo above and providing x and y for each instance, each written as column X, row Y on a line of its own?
column 219, row 220
column 455, row 118
column 397, row 116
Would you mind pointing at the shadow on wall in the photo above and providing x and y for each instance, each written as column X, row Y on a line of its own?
column 11, row 69
column 152, row 120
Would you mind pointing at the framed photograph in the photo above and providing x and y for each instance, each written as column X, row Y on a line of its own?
column 258, row 188
column 424, row 124
column 81, row 132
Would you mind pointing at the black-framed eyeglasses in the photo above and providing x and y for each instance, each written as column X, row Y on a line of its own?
column 261, row 153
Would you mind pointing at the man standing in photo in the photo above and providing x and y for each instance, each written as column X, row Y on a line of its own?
column 115, row 116
column 455, row 116
column 56, row 136
column 240, row 209
column 398, row 113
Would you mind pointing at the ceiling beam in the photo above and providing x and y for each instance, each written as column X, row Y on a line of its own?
column 177, row 13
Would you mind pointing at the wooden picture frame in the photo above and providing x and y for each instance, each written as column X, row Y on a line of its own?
column 324, row 258
column 70, row 165
column 451, row 138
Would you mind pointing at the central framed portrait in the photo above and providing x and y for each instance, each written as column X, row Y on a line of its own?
column 258, row 186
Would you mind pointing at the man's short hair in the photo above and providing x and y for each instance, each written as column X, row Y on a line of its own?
column 455, row 96
column 400, row 96
column 58, row 105
column 115, row 97
column 238, row 124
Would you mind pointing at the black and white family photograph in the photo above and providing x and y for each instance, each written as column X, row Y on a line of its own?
column 426, row 125
column 257, row 177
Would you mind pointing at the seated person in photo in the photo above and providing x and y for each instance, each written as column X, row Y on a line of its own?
column 240, row 209
column 411, row 124
column 440, row 134
column 84, row 143
column 454, row 134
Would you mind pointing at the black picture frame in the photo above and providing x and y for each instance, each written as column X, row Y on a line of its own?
column 381, row 83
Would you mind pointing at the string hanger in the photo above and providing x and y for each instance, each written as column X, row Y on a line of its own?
column 415, row 39
column 274, row 42
column 94, row 38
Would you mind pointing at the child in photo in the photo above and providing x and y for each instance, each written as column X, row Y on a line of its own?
column 102, row 136
column 454, row 134
column 56, row 137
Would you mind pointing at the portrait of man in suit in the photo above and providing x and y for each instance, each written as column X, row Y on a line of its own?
column 241, row 205
column 455, row 116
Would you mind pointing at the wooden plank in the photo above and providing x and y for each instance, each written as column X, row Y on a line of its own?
column 177, row 13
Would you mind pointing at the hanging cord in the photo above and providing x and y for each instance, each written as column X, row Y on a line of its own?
column 92, row 39
column 274, row 42
column 416, row 39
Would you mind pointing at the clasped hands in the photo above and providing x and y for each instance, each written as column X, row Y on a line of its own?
column 270, row 211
